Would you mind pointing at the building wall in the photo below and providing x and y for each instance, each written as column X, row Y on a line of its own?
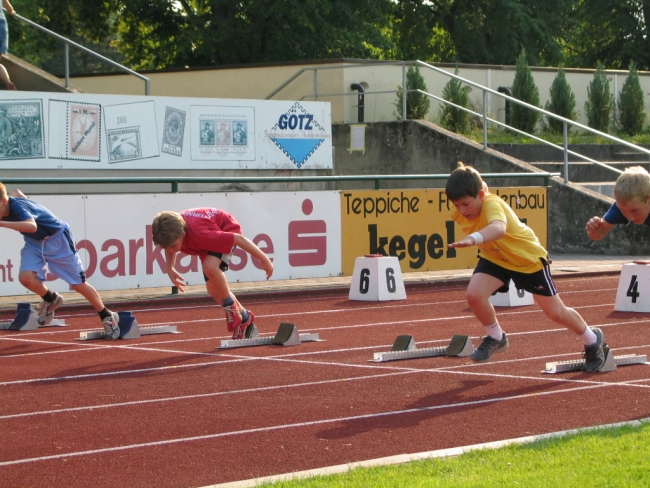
column 334, row 78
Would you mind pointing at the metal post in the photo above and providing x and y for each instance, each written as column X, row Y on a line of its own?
column 66, row 54
column 566, row 151
column 485, row 122
column 315, row 84
column 403, row 92
column 147, row 87
column 174, row 186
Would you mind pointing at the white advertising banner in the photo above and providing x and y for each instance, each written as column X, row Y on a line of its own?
column 300, row 231
column 90, row 131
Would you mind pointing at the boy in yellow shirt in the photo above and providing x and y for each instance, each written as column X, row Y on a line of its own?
column 509, row 250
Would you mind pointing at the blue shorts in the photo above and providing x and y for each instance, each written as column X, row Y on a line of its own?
column 4, row 36
column 538, row 283
column 56, row 253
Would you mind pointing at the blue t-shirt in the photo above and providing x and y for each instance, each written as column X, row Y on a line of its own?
column 615, row 216
column 21, row 209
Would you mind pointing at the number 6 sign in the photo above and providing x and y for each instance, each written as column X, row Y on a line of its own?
column 633, row 293
column 377, row 278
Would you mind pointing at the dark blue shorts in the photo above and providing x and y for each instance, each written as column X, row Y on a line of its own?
column 537, row 283
column 225, row 259
column 4, row 36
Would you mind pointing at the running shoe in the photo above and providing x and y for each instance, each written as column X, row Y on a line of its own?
column 241, row 329
column 488, row 347
column 111, row 329
column 233, row 317
column 46, row 310
column 595, row 353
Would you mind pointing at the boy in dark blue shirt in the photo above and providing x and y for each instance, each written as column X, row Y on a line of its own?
column 632, row 195
column 49, row 244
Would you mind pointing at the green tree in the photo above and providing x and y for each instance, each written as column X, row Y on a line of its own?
column 524, row 89
column 613, row 32
column 179, row 33
column 417, row 104
column 453, row 118
column 631, row 106
column 494, row 31
column 600, row 101
column 562, row 102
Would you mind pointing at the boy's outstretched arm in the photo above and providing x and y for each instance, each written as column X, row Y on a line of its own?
column 174, row 276
column 248, row 246
column 491, row 232
column 597, row 228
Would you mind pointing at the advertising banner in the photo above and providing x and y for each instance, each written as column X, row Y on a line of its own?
column 90, row 131
column 300, row 231
column 416, row 226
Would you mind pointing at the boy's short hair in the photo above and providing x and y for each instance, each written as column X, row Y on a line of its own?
column 3, row 191
column 463, row 182
column 633, row 183
column 167, row 228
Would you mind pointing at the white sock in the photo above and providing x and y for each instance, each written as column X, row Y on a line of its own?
column 588, row 337
column 494, row 331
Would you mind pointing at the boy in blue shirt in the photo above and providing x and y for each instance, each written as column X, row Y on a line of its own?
column 49, row 243
column 632, row 195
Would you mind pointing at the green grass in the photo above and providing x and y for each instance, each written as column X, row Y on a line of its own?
column 610, row 457
column 503, row 136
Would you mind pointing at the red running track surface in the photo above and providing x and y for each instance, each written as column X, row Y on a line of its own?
column 173, row 410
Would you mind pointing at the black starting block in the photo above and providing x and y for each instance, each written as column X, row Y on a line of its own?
column 611, row 363
column 287, row 335
column 129, row 329
column 25, row 319
column 404, row 348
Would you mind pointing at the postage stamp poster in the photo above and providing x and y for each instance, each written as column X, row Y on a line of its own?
column 21, row 129
column 134, row 125
column 222, row 133
column 173, row 131
column 124, row 144
column 74, row 130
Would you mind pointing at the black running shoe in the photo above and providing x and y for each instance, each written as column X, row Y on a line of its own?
column 488, row 347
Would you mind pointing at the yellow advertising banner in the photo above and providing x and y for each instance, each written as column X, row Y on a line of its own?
column 416, row 226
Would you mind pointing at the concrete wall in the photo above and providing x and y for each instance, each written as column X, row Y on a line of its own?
column 333, row 84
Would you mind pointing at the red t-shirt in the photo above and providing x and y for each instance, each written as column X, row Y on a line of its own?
column 208, row 230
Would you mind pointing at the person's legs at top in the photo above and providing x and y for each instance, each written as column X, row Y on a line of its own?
column 4, row 44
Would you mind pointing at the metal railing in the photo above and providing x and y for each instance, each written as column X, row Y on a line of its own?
column 484, row 116
column 67, row 43
column 174, row 181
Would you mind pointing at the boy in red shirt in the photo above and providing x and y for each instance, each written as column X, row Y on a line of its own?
column 211, row 234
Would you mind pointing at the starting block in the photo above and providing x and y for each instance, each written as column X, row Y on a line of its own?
column 404, row 348
column 25, row 319
column 633, row 292
column 512, row 298
column 611, row 363
column 129, row 329
column 377, row 278
column 287, row 335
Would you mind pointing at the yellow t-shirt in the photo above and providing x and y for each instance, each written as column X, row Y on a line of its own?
column 518, row 250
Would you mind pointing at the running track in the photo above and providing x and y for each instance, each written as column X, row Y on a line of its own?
column 172, row 410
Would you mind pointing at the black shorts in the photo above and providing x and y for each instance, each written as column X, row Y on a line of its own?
column 538, row 283
column 223, row 266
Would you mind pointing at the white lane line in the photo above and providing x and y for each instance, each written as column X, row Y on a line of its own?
column 295, row 425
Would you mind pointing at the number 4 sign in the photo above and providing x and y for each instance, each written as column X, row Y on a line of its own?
column 377, row 278
column 633, row 293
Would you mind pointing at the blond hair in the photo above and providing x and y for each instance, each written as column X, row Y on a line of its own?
column 167, row 228
column 633, row 183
